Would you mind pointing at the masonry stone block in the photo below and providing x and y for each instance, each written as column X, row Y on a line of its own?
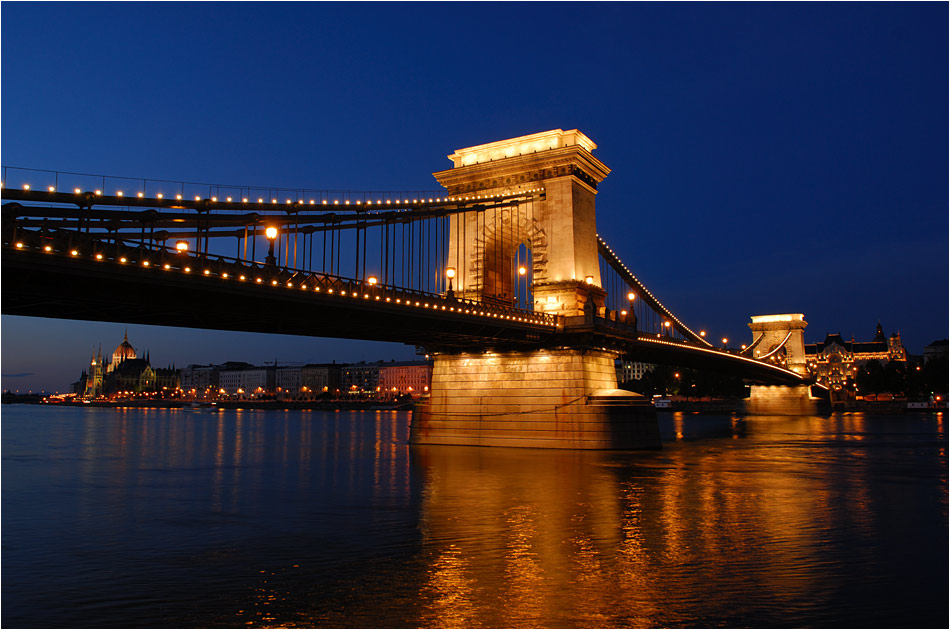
column 564, row 398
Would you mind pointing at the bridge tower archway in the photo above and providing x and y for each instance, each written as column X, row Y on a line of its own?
column 551, row 181
column 506, row 240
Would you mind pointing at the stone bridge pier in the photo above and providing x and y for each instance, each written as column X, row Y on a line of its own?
column 553, row 398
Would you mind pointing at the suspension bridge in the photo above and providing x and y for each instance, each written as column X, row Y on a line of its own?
column 498, row 275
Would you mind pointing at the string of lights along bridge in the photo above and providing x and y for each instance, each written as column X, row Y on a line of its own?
column 389, row 237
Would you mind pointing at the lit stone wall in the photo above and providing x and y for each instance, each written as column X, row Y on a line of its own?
column 544, row 399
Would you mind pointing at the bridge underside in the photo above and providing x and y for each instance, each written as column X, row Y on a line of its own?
column 43, row 286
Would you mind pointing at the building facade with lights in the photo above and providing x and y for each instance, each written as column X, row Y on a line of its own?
column 405, row 377
column 320, row 378
column 360, row 377
column 199, row 377
column 287, row 380
column 246, row 380
column 835, row 362
column 631, row 370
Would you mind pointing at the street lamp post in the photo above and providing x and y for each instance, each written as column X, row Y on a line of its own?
column 271, row 234
column 450, row 273
column 630, row 314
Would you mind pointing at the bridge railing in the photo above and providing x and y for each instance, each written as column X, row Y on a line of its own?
column 17, row 177
column 148, row 255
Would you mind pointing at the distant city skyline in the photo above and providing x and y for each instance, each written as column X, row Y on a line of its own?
column 766, row 158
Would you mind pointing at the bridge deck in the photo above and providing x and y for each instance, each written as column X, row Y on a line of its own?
column 56, row 264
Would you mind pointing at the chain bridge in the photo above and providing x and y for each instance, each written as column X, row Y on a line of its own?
column 501, row 276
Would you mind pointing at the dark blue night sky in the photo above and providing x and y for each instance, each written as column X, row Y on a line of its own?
column 766, row 157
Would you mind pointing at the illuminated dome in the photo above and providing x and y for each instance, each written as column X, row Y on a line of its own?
column 123, row 352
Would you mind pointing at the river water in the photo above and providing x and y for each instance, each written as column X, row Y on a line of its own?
column 177, row 518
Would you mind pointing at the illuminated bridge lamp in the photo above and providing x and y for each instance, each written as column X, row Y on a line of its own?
column 631, row 296
column 372, row 281
column 702, row 333
column 450, row 273
column 181, row 246
column 589, row 279
column 522, row 271
column 271, row 234
column 725, row 340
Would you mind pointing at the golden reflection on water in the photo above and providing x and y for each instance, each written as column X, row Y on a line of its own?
column 551, row 538
column 519, row 538
column 537, row 538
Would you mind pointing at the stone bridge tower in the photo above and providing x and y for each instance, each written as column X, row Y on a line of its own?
column 557, row 226
column 564, row 397
column 782, row 337
column 780, row 333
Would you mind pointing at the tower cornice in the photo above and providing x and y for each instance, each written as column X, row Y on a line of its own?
column 521, row 161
